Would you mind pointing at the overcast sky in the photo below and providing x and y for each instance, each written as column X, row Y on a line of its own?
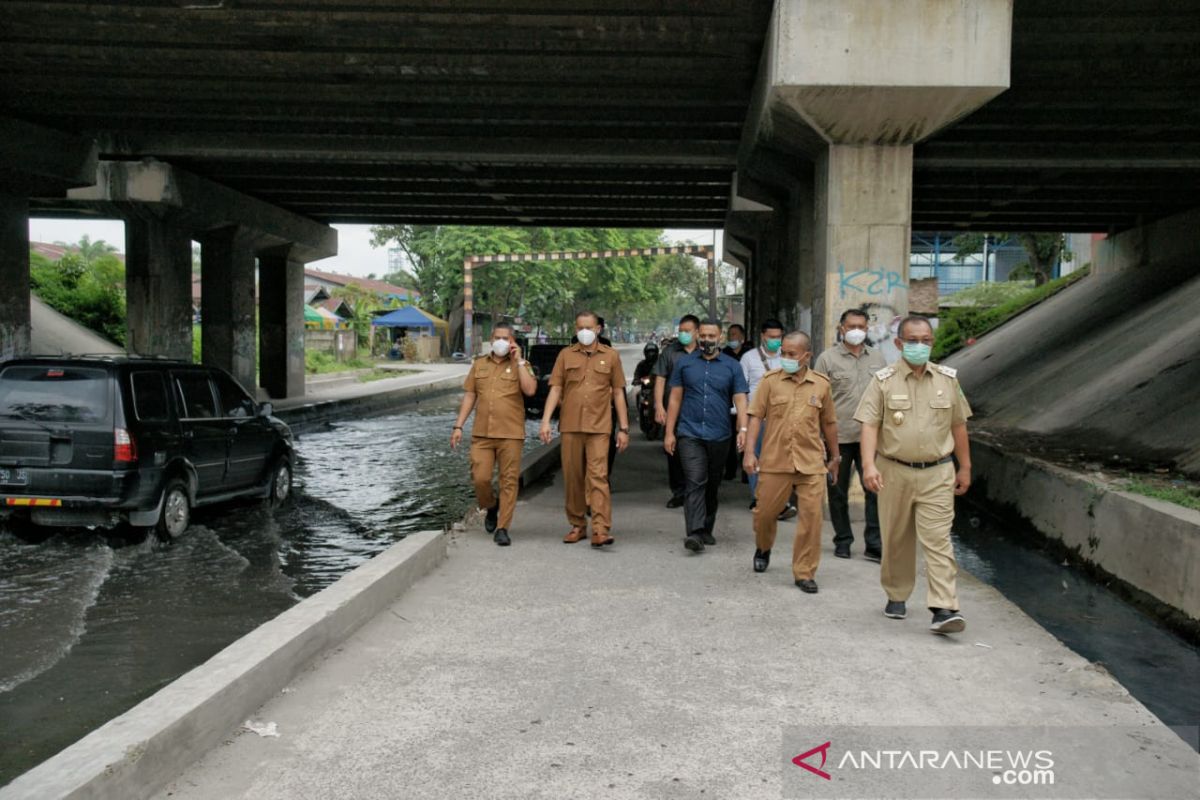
column 355, row 254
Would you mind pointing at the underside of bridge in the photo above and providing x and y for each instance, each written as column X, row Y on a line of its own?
column 1057, row 115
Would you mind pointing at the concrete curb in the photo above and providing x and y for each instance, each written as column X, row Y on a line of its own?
column 1150, row 545
column 138, row 753
column 537, row 463
column 314, row 415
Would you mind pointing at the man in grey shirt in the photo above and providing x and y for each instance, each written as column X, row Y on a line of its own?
column 850, row 366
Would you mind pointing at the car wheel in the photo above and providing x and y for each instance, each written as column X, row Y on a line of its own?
column 176, row 510
column 281, row 482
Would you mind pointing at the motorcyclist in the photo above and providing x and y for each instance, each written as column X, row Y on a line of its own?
column 649, row 356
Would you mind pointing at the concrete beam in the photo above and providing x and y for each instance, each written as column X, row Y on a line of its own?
column 202, row 206
column 14, row 276
column 36, row 161
column 228, row 330
column 281, row 323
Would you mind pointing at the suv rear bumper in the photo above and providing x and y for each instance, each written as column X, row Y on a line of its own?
column 119, row 496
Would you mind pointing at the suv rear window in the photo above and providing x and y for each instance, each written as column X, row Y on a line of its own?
column 150, row 396
column 54, row 393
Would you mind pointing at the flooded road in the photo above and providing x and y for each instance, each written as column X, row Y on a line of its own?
column 89, row 627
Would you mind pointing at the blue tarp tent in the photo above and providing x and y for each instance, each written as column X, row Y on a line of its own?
column 406, row 317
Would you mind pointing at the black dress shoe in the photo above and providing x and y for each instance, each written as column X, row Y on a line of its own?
column 708, row 538
column 753, row 504
column 947, row 621
column 841, row 550
column 807, row 585
column 501, row 537
column 873, row 555
column 761, row 559
column 493, row 514
column 675, row 502
column 789, row 511
column 694, row 543
column 895, row 609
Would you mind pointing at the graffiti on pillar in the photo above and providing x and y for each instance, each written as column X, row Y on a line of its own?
column 869, row 282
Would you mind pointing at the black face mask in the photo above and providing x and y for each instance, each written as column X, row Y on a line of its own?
column 708, row 348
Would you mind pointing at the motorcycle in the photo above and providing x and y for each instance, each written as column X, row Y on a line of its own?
column 645, row 404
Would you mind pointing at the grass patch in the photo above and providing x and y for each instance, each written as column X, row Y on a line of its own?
column 957, row 325
column 319, row 363
column 384, row 374
column 1181, row 494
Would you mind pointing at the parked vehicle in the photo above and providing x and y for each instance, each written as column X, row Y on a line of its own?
column 101, row 441
column 541, row 358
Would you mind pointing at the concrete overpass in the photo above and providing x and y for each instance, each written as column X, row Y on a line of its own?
column 817, row 133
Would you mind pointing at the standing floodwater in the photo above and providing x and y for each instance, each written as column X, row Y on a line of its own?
column 88, row 628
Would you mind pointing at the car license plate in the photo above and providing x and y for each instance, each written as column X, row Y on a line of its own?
column 14, row 477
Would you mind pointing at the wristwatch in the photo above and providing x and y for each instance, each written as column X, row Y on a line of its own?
column 743, row 430
column 622, row 430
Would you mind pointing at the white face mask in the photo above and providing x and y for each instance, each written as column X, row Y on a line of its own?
column 586, row 336
column 500, row 348
column 854, row 337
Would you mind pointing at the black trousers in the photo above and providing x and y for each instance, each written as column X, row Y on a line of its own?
column 675, row 475
column 839, row 501
column 731, row 459
column 703, row 463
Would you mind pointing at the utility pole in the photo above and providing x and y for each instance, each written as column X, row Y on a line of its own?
column 712, row 287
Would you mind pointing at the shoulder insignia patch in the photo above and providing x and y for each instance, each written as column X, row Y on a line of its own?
column 949, row 372
column 885, row 373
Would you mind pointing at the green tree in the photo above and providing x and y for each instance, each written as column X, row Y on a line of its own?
column 92, row 292
column 1042, row 251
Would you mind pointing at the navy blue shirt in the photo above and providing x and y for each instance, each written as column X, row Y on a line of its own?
column 708, row 390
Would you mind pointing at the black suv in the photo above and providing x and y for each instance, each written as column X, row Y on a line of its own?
column 105, row 440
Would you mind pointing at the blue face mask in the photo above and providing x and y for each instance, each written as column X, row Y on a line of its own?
column 916, row 354
column 789, row 365
column 685, row 338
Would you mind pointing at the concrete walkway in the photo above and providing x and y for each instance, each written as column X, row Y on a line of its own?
column 423, row 374
column 556, row 671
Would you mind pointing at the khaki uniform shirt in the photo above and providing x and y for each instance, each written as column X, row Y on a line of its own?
column 850, row 376
column 793, row 407
column 914, row 414
column 587, row 382
column 499, row 404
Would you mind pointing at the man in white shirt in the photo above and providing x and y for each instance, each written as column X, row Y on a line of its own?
column 756, row 363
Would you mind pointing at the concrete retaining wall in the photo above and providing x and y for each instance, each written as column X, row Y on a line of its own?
column 139, row 752
column 1151, row 545
column 306, row 417
column 537, row 463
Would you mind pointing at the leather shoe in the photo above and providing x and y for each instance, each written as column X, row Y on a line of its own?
column 761, row 559
column 947, row 621
column 873, row 555
column 694, row 543
column 575, row 535
column 707, row 538
column 599, row 539
column 493, row 514
column 841, row 550
column 895, row 609
column 789, row 512
column 501, row 537
column 675, row 502
column 807, row 585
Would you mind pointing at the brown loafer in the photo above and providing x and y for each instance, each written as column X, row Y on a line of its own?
column 600, row 539
column 575, row 535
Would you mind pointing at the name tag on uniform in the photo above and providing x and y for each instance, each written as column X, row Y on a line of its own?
column 899, row 397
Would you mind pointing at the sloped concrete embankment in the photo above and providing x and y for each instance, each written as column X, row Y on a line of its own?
column 315, row 414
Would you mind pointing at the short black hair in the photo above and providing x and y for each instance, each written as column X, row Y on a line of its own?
column 504, row 326
column 913, row 319
column 769, row 324
column 737, row 325
column 854, row 312
column 711, row 322
column 692, row 318
column 600, row 321
column 591, row 314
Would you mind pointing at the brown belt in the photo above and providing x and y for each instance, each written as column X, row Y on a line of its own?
column 922, row 464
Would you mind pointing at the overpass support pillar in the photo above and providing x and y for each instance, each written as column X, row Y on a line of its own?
column 228, row 335
column 863, row 232
column 281, row 323
column 158, row 286
column 14, row 276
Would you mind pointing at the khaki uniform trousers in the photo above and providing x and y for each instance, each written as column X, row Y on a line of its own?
column 585, row 473
column 485, row 453
column 773, row 492
column 917, row 505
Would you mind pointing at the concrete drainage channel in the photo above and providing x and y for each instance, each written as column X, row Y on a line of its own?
column 142, row 750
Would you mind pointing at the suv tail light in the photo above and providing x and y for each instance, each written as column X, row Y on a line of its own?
column 124, row 449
